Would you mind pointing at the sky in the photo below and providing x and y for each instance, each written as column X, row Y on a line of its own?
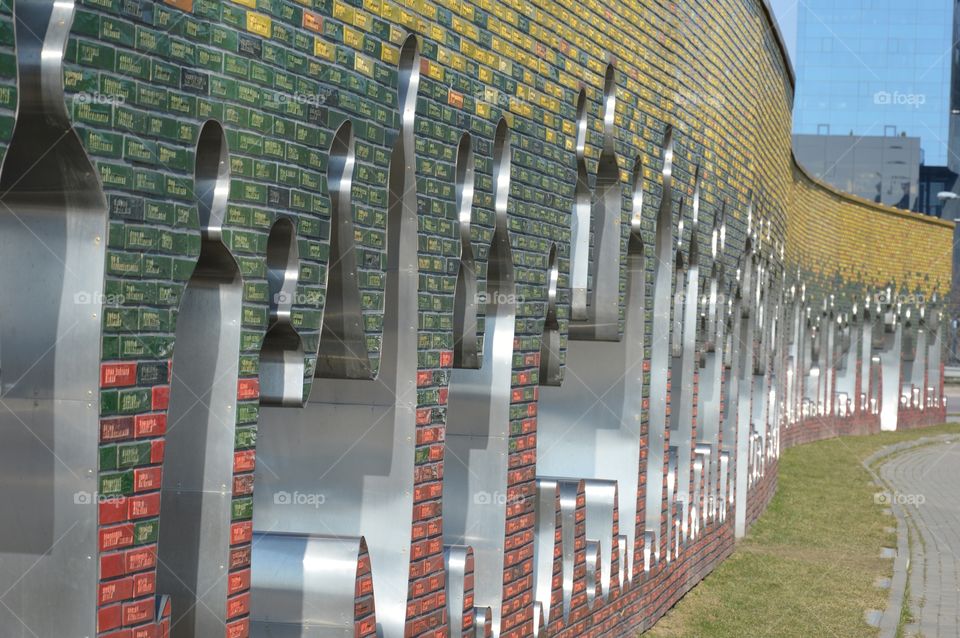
column 786, row 14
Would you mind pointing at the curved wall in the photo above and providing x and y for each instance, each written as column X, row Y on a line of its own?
column 345, row 123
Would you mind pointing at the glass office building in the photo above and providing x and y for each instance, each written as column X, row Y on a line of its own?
column 875, row 68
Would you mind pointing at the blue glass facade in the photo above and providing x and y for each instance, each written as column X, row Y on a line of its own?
column 875, row 67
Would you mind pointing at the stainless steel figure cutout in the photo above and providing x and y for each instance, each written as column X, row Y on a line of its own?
column 53, row 233
column 602, row 320
column 890, row 353
column 711, row 365
column 935, row 348
column 281, row 356
column 343, row 342
column 741, row 389
column 684, row 363
column 478, row 415
column 194, row 544
column 343, row 467
column 555, row 506
column 580, row 225
column 551, row 372
column 590, row 427
column 660, row 353
column 465, row 342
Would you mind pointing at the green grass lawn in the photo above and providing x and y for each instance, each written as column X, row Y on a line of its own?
column 808, row 566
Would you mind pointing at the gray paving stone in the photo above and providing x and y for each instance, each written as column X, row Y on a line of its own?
column 925, row 487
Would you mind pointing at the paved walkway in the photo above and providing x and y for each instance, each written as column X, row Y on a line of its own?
column 926, row 490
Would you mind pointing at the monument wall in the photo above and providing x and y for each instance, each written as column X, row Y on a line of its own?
column 423, row 318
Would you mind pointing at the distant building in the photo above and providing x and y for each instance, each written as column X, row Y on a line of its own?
column 875, row 68
column 885, row 170
column 934, row 180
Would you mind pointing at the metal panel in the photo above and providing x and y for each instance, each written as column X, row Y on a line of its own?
column 934, row 397
column 306, row 586
column 551, row 372
column 603, row 308
column 194, row 545
column 660, row 349
column 465, row 304
column 890, row 354
column 478, row 415
column 281, row 355
column 684, row 363
column 580, row 220
column 556, row 504
column 53, row 235
column 710, row 381
column 343, row 342
column 590, row 427
column 455, row 559
column 740, row 398
column 343, row 466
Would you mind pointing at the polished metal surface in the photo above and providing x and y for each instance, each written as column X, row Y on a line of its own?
column 478, row 414
column 890, row 353
column 601, row 507
column 53, row 227
column 343, row 343
column 684, row 364
column 660, row 351
column 306, row 586
column 194, row 543
column 794, row 352
column 865, row 389
column 603, row 298
column 731, row 393
column 282, row 365
column 580, row 219
column 343, row 466
column 742, row 380
column 764, row 328
column 466, row 302
column 710, row 381
column 846, row 389
column 455, row 560
column 555, row 506
column 915, row 367
column 589, row 428
column 551, row 372
column 934, row 389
